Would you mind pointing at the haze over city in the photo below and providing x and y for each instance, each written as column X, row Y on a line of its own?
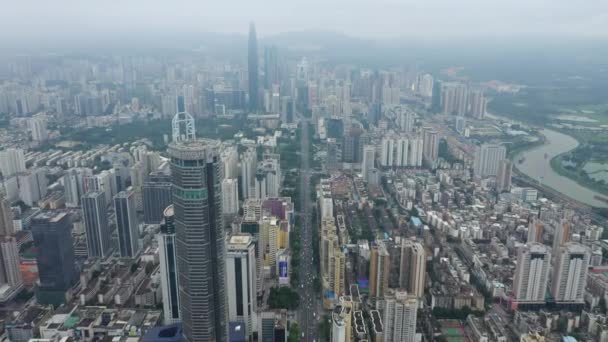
column 318, row 171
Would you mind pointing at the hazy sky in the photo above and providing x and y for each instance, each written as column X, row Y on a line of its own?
column 365, row 18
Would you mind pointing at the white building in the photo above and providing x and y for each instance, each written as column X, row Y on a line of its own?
column 248, row 169
column 32, row 186
column 12, row 161
column 230, row 196
column 487, row 159
column 11, row 281
column 532, row 273
column 241, row 275
column 503, row 178
column 401, row 151
column 367, row 164
column 570, row 273
column 399, row 317
column 38, row 130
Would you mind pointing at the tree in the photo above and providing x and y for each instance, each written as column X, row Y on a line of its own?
column 283, row 298
column 294, row 333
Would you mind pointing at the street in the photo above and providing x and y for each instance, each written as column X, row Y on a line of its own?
column 307, row 321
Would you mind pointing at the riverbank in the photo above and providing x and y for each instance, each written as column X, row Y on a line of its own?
column 536, row 164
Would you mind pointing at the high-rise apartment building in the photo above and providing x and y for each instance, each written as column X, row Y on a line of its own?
column 399, row 311
column 249, row 164
column 379, row 269
column 532, row 273
column 412, row 268
column 487, row 159
column 6, row 217
column 503, row 178
column 127, row 225
column 430, row 144
column 570, row 273
column 95, row 217
column 200, row 239
column 230, row 196
column 11, row 281
column 12, row 161
column 168, row 267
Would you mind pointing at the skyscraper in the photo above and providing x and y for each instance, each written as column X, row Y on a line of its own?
column 55, row 258
column 126, row 223
column 230, row 196
column 6, row 217
column 95, row 216
column 12, row 161
column 156, row 197
column 253, row 70
column 503, row 178
column 412, row 268
column 271, row 66
column 241, row 275
column 168, row 267
column 367, row 165
column 399, row 312
column 561, row 235
column 200, row 246
column 487, row 159
column 532, row 273
column 379, row 269
column 11, row 281
column 570, row 273
column 430, row 144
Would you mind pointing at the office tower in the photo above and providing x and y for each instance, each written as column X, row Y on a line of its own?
column 32, row 186
column 487, row 159
column 168, row 267
column 412, row 268
column 271, row 66
column 230, row 196
column 104, row 182
column 241, row 278
column 248, row 169
column 12, row 162
column 562, row 234
column 11, row 281
column 156, row 196
column 352, row 145
column 532, row 273
column 6, row 217
column 126, row 224
column 399, row 312
column 430, row 144
column 478, row 104
column 367, row 164
column 200, row 245
column 38, row 130
column 252, row 68
column 95, row 216
column 52, row 233
column 503, row 178
column 535, row 231
column 570, row 273
column 379, row 268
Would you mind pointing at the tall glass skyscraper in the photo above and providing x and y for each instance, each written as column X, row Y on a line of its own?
column 200, row 247
column 126, row 223
column 168, row 267
column 252, row 68
column 96, row 223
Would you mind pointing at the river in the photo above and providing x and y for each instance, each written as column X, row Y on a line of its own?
column 536, row 165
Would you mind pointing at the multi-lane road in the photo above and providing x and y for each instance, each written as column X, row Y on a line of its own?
column 307, row 317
